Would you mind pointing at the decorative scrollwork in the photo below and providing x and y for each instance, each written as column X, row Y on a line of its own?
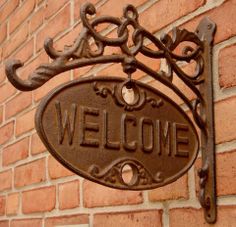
column 81, row 54
column 140, row 96
column 113, row 175
column 203, row 174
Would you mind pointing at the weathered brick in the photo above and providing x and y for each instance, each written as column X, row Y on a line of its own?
column 7, row 90
column 96, row 195
column 131, row 219
column 224, row 116
column 52, row 7
column 44, row 199
column 15, row 152
column 12, row 206
column 55, row 26
column 112, row 70
column 6, row 132
column 117, row 10
column 25, row 122
column 30, row 173
column 37, row 19
column 8, row 8
column 2, row 73
column 174, row 191
column 37, row 146
column 18, row 103
column 56, row 81
column 1, row 114
column 21, row 15
column 168, row 12
column 26, row 222
column 67, row 220
column 69, row 195
column 226, row 173
column 15, row 41
column 3, row 32
column 4, row 223
column 56, row 170
column 185, row 217
column 26, row 51
column 222, row 15
column 6, row 180
column 227, row 66
column 39, row 1
column 2, row 205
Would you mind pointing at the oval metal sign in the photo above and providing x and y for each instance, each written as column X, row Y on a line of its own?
column 90, row 128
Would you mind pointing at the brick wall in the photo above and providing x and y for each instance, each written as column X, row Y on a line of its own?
column 35, row 190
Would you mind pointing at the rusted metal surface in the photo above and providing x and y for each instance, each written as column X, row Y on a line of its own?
column 82, row 53
column 89, row 127
column 207, row 193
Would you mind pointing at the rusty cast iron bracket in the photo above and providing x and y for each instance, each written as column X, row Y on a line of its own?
column 82, row 53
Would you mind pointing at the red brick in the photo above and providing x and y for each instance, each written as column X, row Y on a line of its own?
column 12, row 206
column 117, row 8
column 1, row 114
column 69, row 195
column 131, row 219
column 37, row 146
column 25, row 123
column 224, row 116
column 1, row 55
column 57, row 170
column 222, row 15
column 2, row 73
column 174, row 191
column 2, row 2
column 7, row 90
column 82, row 71
column 15, row 152
column 186, row 217
column 21, row 14
column 26, row 52
column 227, row 66
column 15, row 41
column 67, row 220
column 2, row 205
column 52, row 7
column 26, row 222
column 39, row 200
column 8, row 8
column 39, row 1
column 18, row 103
column 4, row 223
column 6, row 180
column 3, row 32
column 6, row 132
column 226, row 173
column 30, row 173
column 113, row 70
column 46, row 88
column 37, row 19
column 168, row 12
column 96, row 195
column 68, row 38
column 55, row 26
